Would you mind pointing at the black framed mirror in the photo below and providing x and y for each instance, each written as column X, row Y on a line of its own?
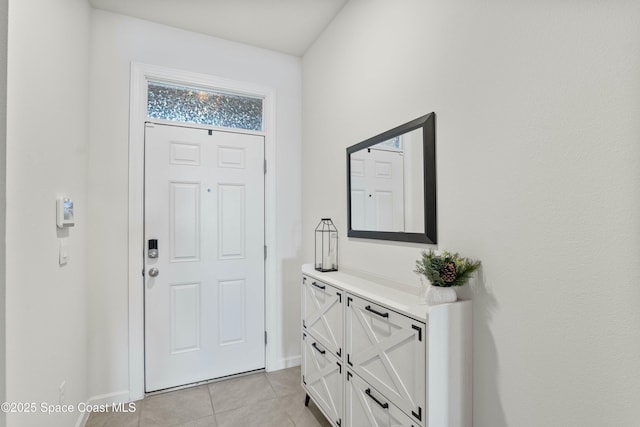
column 391, row 184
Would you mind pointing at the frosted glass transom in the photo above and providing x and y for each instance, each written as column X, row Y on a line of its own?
column 189, row 105
column 393, row 144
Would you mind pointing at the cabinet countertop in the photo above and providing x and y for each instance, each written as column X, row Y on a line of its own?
column 397, row 300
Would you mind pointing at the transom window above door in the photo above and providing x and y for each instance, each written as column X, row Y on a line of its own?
column 206, row 107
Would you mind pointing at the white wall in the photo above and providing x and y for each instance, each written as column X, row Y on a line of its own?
column 538, row 132
column 47, row 149
column 116, row 42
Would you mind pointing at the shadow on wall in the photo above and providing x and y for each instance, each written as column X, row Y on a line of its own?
column 486, row 396
column 289, row 303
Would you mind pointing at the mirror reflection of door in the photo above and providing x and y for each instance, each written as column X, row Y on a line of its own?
column 377, row 190
column 387, row 185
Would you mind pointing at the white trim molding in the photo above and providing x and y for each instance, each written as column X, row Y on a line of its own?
column 287, row 362
column 107, row 400
column 141, row 74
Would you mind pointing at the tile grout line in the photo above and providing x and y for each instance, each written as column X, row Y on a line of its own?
column 273, row 390
column 213, row 409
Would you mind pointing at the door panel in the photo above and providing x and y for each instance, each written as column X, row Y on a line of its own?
column 231, row 225
column 388, row 350
column 184, row 221
column 365, row 407
column 231, row 319
column 185, row 317
column 322, row 375
column 322, row 313
column 204, row 203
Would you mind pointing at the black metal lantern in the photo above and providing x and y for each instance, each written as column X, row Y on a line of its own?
column 326, row 246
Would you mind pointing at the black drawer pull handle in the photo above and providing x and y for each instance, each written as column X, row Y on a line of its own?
column 321, row 351
column 382, row 405
column 368, row 308
column 318, row 286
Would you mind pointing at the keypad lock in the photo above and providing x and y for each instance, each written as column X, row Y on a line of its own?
column 153, row 248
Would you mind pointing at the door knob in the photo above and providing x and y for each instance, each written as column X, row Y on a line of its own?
column 153, row 272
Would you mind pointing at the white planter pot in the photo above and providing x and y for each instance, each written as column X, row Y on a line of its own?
column 440, row 295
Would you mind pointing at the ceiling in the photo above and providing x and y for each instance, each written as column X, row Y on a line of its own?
column 288, row 26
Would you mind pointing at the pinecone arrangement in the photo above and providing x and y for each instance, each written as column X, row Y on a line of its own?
column 448, row 272
column 446, row 269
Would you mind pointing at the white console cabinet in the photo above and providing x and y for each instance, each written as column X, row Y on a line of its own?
column 372, row 356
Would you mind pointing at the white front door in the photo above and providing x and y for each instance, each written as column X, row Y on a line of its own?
column 204, row 293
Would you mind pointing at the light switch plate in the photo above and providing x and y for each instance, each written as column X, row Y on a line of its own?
column 63, row 252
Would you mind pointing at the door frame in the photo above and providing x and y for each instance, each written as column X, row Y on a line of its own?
column 141, row 74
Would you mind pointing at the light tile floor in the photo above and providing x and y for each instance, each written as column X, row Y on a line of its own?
column 273, row 399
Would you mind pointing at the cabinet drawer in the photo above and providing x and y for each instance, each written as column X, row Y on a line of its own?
column 322, row 377
column 323, row 314
column 366, row 407
column 388, row 350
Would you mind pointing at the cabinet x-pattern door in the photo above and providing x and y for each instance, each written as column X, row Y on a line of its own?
column 323, row 314
column 322, row 375
column 388, row 350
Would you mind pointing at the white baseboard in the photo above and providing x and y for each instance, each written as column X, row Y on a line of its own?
column 103, row 399
column 287, row 362
column 82, row 419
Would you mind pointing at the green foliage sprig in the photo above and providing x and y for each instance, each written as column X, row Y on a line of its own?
column 446, row 269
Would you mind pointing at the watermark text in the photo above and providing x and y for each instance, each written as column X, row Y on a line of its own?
column 50, row 408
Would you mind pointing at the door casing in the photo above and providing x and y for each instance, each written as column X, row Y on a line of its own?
column 141, row 74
